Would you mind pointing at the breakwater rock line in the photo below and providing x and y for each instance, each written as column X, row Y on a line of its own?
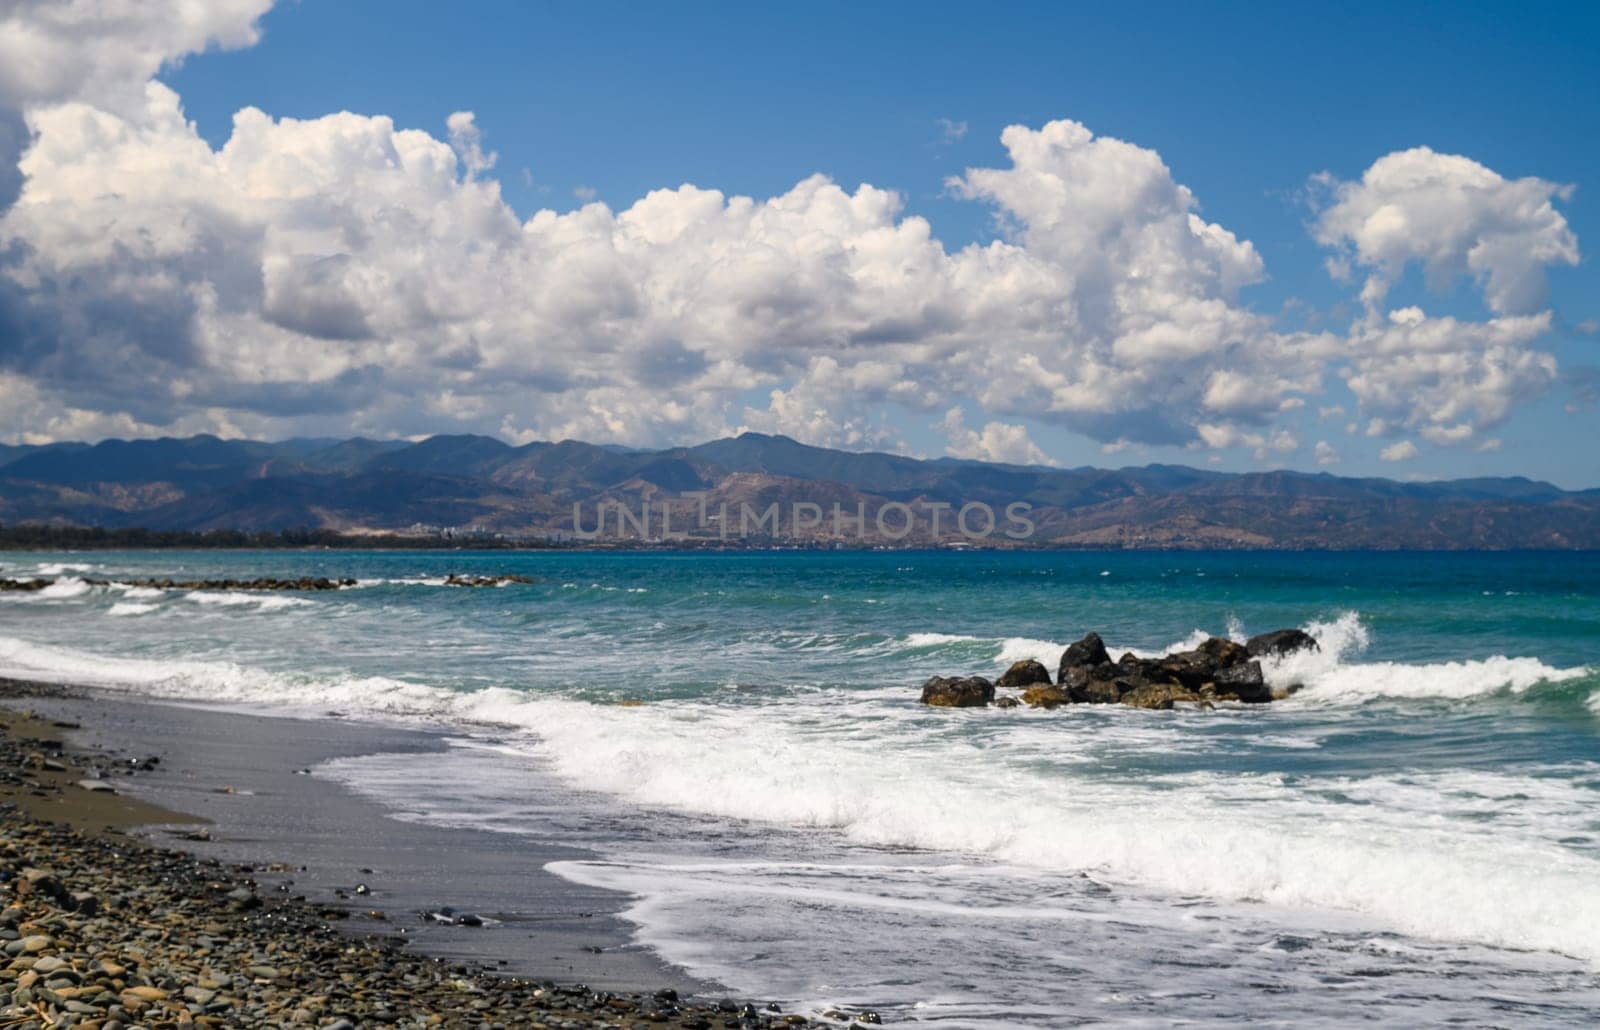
column 1217, row 670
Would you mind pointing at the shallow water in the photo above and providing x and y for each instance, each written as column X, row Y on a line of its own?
column 1414, row 837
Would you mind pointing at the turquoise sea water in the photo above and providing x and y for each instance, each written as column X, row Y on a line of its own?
column 1415, row 837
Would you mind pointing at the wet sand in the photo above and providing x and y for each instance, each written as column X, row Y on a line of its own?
column 237, row 780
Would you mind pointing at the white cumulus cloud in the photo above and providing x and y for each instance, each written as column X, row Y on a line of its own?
column 997, row 441
column 1402, row 450
column 1455, row 217
column 340, row 274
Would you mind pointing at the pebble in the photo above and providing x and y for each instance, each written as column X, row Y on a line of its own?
column 102, row 931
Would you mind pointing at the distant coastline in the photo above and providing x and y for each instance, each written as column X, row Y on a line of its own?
column 80, row 538
column 753, row 492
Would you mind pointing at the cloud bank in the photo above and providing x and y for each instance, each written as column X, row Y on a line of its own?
column 341, row 274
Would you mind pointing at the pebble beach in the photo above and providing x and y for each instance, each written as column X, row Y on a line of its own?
column 103, row 930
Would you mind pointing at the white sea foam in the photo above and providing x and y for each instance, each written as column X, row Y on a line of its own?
column 814, row 763
column 1331, row 674
column 1007, row 650
column 222, row 682
column 66, row 587
column 134, row 593
column 1016, row 649
column 62, row 568
column 131, row 608
column 411, row 581
column 243, row 599
column 919, row 640
column 755, row 765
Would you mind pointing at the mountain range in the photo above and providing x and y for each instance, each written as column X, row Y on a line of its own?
column 466, row 485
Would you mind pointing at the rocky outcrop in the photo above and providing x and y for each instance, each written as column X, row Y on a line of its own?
column 263, row 583
column 1242, row 683
column 1160, row 696
column 456, row 580
column 957, row 692
column 1023, row 674
column 1215, row 671
column 1091, row 685
column 1225, row 652
column 1281, row 642
column 1086, row 653
column 1043, row 695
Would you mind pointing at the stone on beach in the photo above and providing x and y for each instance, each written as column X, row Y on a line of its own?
column 101, row 930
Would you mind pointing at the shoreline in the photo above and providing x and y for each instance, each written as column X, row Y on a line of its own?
column 223, row 795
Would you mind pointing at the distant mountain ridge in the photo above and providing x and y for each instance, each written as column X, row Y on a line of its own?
column 466, row 483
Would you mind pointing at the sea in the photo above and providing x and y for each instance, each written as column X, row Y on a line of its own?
column 735, row 740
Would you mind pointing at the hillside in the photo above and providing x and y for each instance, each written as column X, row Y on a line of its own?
column 723, row 493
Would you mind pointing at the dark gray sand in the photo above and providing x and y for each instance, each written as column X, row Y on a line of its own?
column 238, row 772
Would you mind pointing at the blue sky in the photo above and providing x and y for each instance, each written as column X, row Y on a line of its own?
column 1243, row 103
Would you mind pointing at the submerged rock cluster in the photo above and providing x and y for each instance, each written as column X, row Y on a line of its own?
column 459, row 580
column 1217, row 670
column 261, row 583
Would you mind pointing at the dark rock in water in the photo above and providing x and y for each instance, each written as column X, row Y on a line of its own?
column 1091, row 686
column 24, row 585
column 1217, row 670
column 458, row 580
column 1282, row 642
column 1086, row 653
column 1160, row 696
column 1009, row 701
column 1193, row 669
column 1096, row 691
column 957, row 692
column 1043, row 695
column 1024, row 674
column 261, row 583
column 1130, row 666
column 1225, row 652
column 1244, row 682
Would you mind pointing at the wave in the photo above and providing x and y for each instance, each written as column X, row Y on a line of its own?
column 66, row 587
column 398, row 581
column 223, row 682
column 62, row 568
column 241, row 599
column 131, row 608
column 1332, row 675
column 811, row 764
column 1430, row 881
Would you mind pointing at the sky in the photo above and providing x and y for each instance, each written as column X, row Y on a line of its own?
column 1353, row 240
